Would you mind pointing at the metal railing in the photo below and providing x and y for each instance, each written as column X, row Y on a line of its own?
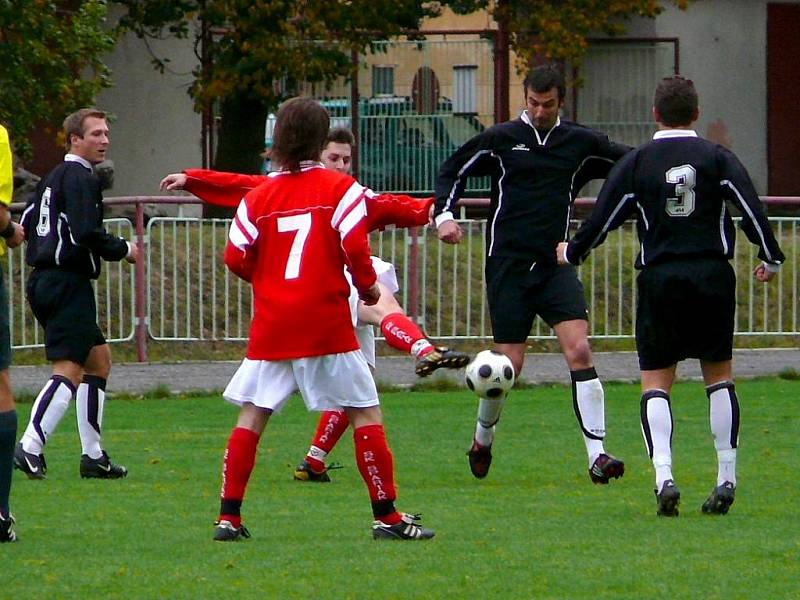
column 180, row 290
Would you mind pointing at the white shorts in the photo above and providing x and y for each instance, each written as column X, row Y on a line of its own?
column 328, row 382
column 365, row 333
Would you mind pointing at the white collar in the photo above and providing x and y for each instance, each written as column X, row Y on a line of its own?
column 78, row 159
column 304, row 166
column 526, row 119
column 674, row 133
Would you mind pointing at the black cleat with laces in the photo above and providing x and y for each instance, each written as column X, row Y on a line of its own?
column 33, row 465
column 480, row 459
column 101, row 468
column 304, row 472
column 606, row 467
column 224, row 531
column 406, row 529
column 720, row 499
column 7, row 533
column 440, row 357
column 667, row 499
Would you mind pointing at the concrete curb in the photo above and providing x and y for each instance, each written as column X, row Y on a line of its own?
column 399, row 371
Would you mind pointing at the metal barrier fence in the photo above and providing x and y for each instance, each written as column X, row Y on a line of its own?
column 181, row 290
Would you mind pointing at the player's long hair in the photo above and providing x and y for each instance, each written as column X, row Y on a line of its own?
column 301, row 130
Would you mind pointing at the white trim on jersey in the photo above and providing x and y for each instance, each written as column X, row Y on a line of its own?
column 350, row 209
column 459, row 175
column 499, row 201
column 607, row 224
column 242, row 232
column 572, row 190
column 674, row 133
column 749, row 211
column 646, row 229
column 527, row 119
column 722, row 237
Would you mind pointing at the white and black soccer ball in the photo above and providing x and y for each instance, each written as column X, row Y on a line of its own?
column 490, row 374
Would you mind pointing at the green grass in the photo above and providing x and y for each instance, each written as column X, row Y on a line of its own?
column 535, row 528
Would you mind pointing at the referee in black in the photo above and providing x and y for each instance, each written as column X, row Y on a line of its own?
column 66, row 242
column 537, row 164
column 679, row 187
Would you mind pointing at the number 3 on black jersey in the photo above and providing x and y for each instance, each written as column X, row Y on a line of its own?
column 682, row 205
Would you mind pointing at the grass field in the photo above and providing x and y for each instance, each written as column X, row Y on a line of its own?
column 535, row 528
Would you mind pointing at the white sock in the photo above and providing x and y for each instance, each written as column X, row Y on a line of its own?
column 89, row 404
column 489, row 410
column 588, row 401
column 316, row 453
column 656, row 420
column 419, row 346
column 48, row 409
column 723, row 406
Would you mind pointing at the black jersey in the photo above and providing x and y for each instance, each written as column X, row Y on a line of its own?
column 63, row 223
column 534, row 181
column 678, row 185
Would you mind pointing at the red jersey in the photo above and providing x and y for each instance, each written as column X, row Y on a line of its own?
column 227, row 189
column 292, row 237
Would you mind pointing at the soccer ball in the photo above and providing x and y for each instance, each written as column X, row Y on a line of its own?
column 490, row 374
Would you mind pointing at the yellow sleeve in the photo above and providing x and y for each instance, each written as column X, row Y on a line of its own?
column 6, row 171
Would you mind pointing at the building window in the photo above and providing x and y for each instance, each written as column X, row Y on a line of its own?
column 465, row 95
column 383, row 80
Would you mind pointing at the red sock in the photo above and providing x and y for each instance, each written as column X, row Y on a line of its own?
column 376, row 466
column 240, row 457
column 332, row 424
column 403, row 334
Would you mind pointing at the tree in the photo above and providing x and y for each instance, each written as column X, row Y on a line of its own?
column 256, row 49
column 558, row 29
column 51, row 63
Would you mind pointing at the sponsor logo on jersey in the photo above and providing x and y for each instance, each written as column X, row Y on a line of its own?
column 522, row 147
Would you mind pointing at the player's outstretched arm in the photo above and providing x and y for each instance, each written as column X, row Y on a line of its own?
column 173, row 181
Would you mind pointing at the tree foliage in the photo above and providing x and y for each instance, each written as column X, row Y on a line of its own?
column 51, row 62
column 256, row 49
column 558, row 29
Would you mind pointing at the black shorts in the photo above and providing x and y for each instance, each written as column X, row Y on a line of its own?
column 517, row 293
column 685, row 309
column 63, row 304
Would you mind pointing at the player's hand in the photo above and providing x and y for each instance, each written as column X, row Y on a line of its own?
column 173, row 181
column 372, row 295
column 449, row 232
column 18, row 237
column 561, row 253
column 762, row 274
column 133, row 254
column 431, row 221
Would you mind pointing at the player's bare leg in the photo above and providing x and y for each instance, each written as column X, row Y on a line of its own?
column 376, row 465
column 588, row 399
column 656, row 420
column 724, row 420
column 237, row 466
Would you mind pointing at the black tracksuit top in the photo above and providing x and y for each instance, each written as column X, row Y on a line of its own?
column 63, row 223
column 678, row 186
column 535, row 177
